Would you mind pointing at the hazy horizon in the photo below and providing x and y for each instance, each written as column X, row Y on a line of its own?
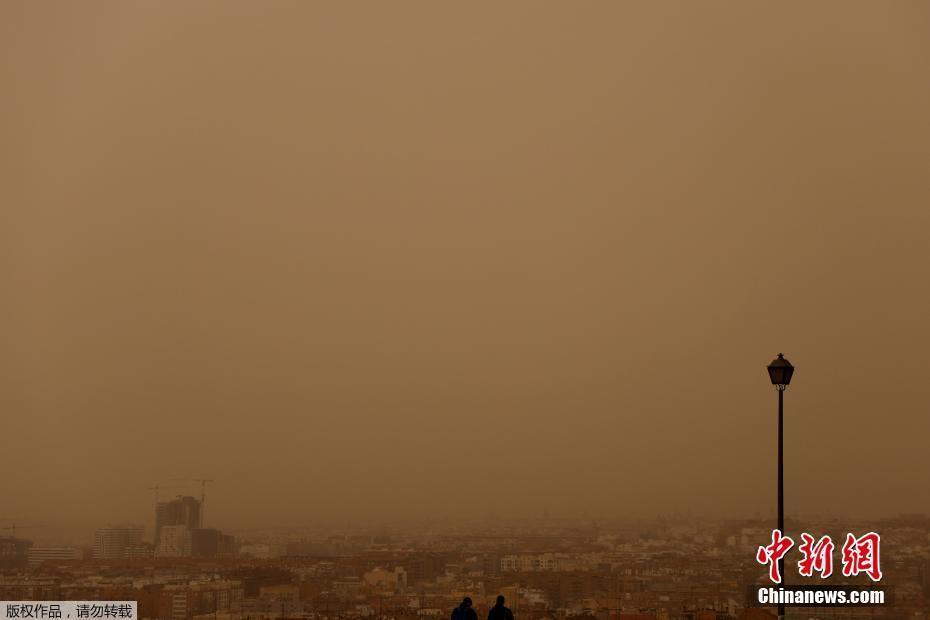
column 396, row 261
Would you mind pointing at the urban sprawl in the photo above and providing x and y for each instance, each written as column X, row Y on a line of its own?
column 664, row 568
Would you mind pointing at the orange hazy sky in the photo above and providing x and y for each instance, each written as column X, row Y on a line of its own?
column 396, row 259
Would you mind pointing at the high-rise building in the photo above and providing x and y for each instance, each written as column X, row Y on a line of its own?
column 13, row 552
column 117, row 543
column 182, row 510
column 209, row 542
column 174, row 542
column 37, row 555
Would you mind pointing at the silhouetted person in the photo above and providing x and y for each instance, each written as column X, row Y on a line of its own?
column 499, row 612
column 464, row 611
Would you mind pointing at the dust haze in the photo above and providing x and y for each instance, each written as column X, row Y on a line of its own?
column 391, row 261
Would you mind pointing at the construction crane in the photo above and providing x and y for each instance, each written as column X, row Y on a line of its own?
column 157, row 487
column 203, row 492
column 12, row 528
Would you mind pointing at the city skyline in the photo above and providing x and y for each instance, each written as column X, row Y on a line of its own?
column 658, row 569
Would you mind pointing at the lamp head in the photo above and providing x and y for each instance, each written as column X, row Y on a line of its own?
column 780, row 371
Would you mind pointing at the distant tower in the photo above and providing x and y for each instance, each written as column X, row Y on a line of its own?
column 182, row 510
column 203, row 496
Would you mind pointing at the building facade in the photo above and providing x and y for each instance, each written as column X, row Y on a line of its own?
column 182, row 510
column 175, row 542
column 38, row 555
column 117, row 543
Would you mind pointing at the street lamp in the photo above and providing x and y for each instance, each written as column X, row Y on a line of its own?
column 780, row 371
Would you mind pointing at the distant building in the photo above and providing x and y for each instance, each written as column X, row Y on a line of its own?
column 37, row 555
column 213, row 599
column 381, row 577
column 209, row 542
column 280, row 592
column 182, row 510
column 529, row 563
column 174, row 542
column 261, row 550
column 118, row 543
column 13, row 552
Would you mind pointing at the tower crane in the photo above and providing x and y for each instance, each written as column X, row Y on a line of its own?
column 203, row 495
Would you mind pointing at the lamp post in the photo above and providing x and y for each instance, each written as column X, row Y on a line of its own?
column 780, row 371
